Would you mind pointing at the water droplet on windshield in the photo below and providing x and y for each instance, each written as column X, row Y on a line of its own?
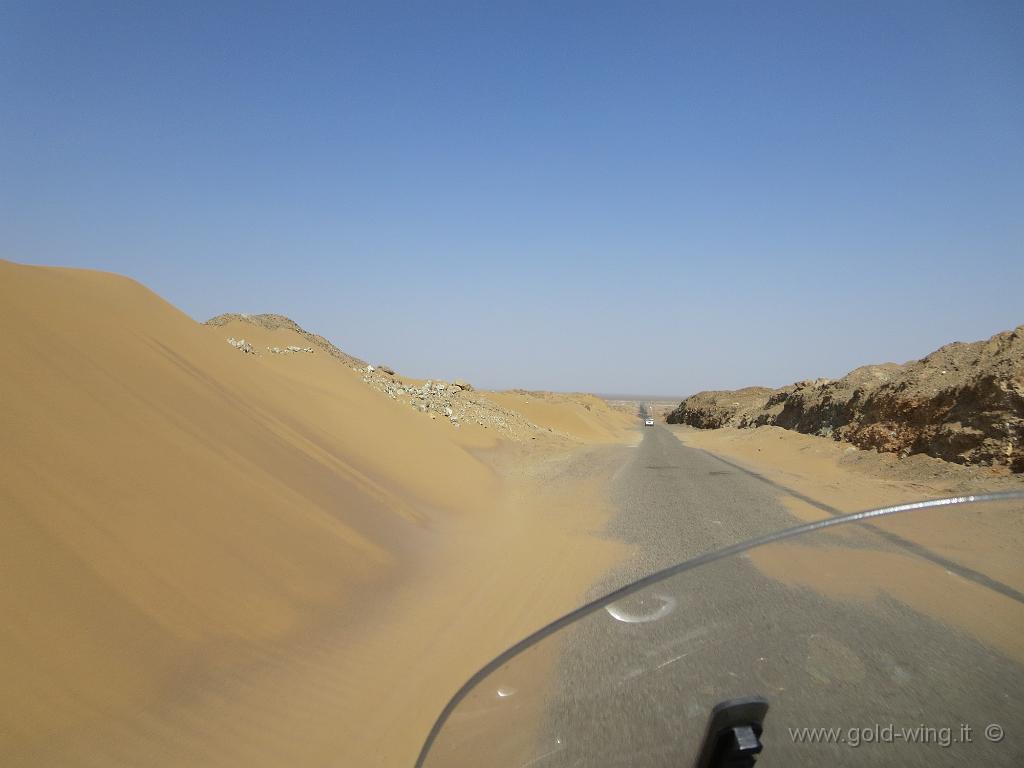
column 641, row 609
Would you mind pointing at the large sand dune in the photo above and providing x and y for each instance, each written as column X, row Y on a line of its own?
column 191, row 533
column 584, row 417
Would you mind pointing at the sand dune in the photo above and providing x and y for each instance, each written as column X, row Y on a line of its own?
column 187, row 528
column 584, row 417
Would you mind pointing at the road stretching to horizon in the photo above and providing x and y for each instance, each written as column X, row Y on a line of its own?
column 675, row 502
column 635, row 682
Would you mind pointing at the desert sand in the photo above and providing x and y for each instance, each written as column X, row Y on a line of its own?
column 838, row 473
column 215, row 558
column 218, row 557
column 585, row 417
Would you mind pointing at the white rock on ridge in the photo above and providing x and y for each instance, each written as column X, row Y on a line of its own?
column 241, row 344
column 457, row 403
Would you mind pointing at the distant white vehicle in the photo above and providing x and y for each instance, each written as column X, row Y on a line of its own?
column 648, row 422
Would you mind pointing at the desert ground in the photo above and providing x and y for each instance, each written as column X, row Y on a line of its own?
column 193, row 532
column 225, row 544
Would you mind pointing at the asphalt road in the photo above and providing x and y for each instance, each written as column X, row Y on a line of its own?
column 676, row 502
column 634, row 683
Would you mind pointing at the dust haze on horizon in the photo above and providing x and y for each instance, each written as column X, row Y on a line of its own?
column 607, row 198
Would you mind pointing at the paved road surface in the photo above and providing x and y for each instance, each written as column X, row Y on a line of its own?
column 632, row 692
column 677, row 502
column 638, row 689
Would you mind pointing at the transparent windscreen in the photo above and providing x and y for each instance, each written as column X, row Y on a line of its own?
column 897, row 640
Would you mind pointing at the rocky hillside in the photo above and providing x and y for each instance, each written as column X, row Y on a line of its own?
column 963, row 403
column 271, row 322
column 711, row 410
column 457, row 402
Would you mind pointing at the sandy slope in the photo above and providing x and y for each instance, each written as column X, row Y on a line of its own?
column 217, row 558
column 585, row 417
column 838, row 473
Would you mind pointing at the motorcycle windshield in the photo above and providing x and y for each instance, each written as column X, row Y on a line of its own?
column 891, row 637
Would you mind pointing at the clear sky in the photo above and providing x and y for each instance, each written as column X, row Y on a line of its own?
column 616, row 197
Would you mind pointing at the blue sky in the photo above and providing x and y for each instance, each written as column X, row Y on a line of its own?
column 616, row 197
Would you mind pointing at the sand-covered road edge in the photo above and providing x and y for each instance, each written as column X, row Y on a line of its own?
column 839, row 474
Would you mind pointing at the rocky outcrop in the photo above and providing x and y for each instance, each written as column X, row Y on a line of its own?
column 456, row 403
column 711, row 410
column 820, row 406
column 963, row 403
column 272, row 322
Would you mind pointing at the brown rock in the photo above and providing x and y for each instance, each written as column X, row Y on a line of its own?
column 963, row 403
